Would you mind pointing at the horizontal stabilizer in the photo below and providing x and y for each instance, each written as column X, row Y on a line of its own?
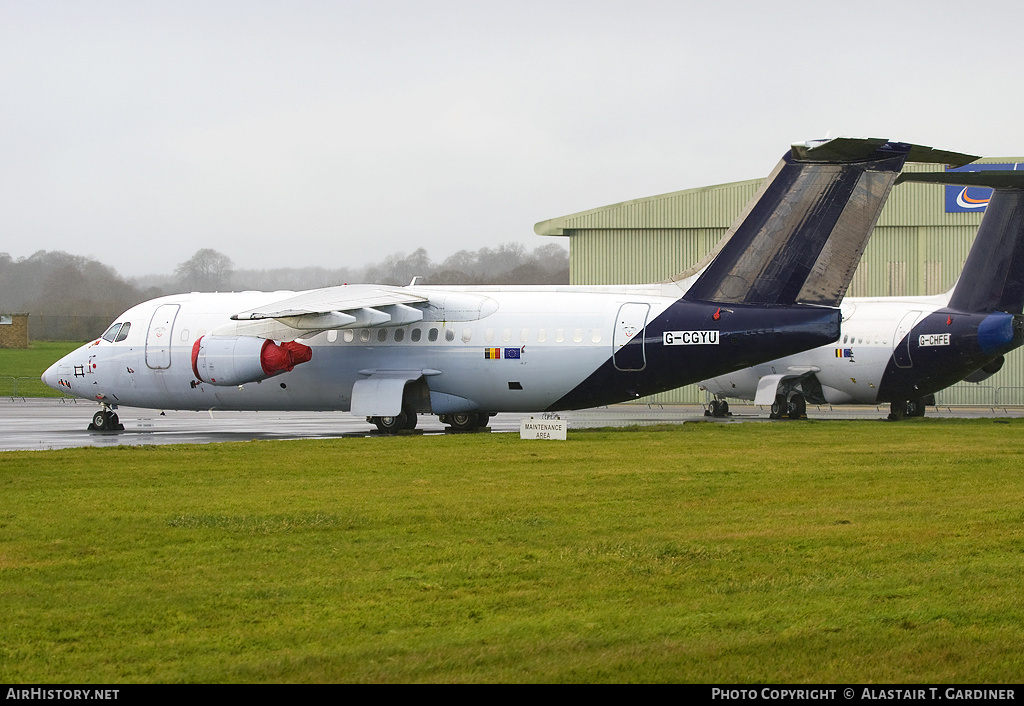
column 802, row 237
column 850, row 149
column 992, row 179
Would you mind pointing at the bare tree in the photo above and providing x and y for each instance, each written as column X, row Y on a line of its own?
column 206, row 271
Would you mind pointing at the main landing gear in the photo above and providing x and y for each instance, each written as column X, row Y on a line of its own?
column 901, row 409
column 795, row 407
column 404, row 421
column 717, row 408
column 465, row 421
column 106, row 420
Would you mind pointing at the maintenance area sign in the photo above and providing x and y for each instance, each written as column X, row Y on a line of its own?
column 543, row 429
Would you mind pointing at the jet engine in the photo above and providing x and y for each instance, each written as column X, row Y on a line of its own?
column 240, row 359
column 986, row 371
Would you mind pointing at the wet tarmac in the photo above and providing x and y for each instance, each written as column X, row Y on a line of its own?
column 38, row 424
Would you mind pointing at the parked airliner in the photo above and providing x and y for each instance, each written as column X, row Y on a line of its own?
column 901, row 350
column 770, row 289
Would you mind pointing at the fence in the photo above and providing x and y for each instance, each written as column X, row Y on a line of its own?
column 26, row 387
column 984, row 395
column 968, row 394
column 957, row 395
column 963, row 395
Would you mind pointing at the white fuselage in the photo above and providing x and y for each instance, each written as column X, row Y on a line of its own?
column 850, row 371
column 543, row 341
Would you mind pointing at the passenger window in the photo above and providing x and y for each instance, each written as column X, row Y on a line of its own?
column 577, row 335
column 559, row 335
column 399, row 335
column 349, row 336
column 596, row 336
column 416, row 335
column 506, row 335
column 449, row 335
column 382, row 335
column 524, row 334
column 364, row 335
column 489, row 335
column 541, row 336
column 432, row 335
column 467, row 335
column 111, row 333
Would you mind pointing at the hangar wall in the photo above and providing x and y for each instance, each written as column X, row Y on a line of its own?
column 917, row 248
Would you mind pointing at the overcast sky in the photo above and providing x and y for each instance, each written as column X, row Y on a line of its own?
column 334, row 133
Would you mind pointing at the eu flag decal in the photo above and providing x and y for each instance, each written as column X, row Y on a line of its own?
column 511, row 354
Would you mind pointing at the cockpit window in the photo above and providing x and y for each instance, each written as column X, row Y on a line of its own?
column 123, row 334
column 111, row 333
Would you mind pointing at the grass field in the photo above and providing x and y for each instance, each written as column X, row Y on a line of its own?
column 20, row 368
column 805, row 552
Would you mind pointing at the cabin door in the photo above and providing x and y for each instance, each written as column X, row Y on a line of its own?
column 158, row 339
column 628, row 340
column 901, row 340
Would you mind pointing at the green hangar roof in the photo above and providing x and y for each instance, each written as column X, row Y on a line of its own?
column 653, row 238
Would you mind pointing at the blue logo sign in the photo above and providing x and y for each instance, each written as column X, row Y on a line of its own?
column 972, row 199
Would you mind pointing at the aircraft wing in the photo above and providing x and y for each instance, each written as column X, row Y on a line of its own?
column 345, row 306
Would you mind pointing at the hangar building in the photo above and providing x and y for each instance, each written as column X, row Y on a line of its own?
column 918, row 247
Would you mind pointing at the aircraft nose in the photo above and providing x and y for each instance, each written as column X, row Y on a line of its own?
column 49, row 377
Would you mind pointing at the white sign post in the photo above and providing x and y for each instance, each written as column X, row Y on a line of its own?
column 542, row 429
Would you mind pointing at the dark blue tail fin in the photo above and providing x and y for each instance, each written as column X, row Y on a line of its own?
column 802, row 237
column 993, row 276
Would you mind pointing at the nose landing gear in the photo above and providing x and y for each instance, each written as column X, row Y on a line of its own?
column 106, row 420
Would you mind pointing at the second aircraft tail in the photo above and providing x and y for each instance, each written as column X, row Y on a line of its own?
column 993, row 275
column 802, row 237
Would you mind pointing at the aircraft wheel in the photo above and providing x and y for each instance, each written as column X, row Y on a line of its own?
column 897, row 410
column 778, row 406
column 410, row 419
column 915, row 408
column 105, row 420
column 719, row 408
column 464, row 421
column 797, row 407
column 390, row 425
